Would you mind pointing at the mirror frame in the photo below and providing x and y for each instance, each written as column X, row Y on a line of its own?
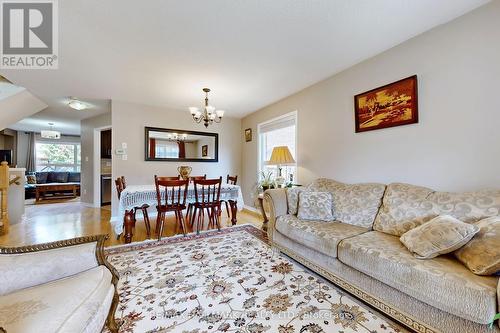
column 159, row 129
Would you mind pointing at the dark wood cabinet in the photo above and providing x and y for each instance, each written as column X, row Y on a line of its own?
column 106, row 144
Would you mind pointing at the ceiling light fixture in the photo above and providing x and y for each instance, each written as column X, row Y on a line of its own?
column 50, row 134
column 77, row 105
column 208, row 115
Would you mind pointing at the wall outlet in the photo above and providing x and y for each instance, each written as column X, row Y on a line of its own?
column 86, row 158
column 84, row 191
column 124, row 145
column 124, row 157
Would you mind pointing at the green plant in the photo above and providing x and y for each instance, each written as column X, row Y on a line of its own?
column 266, row 179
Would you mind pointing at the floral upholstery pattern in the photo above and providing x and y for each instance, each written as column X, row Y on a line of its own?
column 66, row 305
column 482, row 254
column 441, row 235
column 355, row 204
column 31, row 269
column 405, row 207
column 315, row 206
column 318, row 235
column 230, row 282
column 442, row 282
column 292, row 196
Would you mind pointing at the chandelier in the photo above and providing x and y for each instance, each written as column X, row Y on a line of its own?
column 208, row 115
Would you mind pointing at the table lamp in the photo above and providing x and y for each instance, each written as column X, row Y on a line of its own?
column 281, row 156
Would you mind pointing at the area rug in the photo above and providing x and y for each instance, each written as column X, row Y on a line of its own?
column 230, row 281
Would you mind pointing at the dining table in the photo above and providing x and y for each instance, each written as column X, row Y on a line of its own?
column 137, row 195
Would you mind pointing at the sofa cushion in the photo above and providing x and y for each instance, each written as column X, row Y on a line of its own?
column 315, row 206
column 355, row 204
column 405, row 207
column 57, row 177
column 292, row 198
column 482, row 254
column 41, row 177
column 64, row 305
column 318, row 235
column 442, row 282
column 73, row 177
column 441, row 235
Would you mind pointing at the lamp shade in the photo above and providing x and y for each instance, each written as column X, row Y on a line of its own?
column 281, row 156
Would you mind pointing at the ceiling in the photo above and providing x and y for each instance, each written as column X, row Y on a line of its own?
column 65, row 119
column 250, row 53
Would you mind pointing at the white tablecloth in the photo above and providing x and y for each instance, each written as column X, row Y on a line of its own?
column 137, row 195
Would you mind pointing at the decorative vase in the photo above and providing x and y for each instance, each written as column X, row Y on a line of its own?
column 184, row 171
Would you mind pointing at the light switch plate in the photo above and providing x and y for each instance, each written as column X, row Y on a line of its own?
column 124, row 145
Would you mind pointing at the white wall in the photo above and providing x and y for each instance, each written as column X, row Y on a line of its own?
column 129, row 121
column 87, row 143
column 455, row 145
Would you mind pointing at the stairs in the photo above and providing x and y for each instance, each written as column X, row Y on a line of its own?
column 16, row 103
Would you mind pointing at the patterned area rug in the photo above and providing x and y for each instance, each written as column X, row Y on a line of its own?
column 230, row 281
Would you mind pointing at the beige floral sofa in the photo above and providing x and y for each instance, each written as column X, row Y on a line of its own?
column 66, row 286
column 361, row 252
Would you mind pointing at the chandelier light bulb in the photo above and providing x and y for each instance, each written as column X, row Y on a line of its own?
column 193, row 110
column 219, row 113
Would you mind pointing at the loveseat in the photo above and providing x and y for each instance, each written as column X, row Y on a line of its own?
column 65, row 286
column 361, row 252
column 50, row 177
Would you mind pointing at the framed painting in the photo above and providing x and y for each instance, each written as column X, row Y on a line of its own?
column 204, row 151
column 394, row 104
column 248, row 135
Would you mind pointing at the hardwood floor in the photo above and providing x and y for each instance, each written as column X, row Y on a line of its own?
column 56, row 221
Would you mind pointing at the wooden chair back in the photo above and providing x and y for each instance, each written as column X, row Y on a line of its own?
column 119, row 186
column 231, row 179
column 207, row 191
column 170, row 178
column 193, row 178
column 175, row 192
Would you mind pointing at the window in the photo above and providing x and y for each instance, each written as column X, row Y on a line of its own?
column 58, row 156
column 166, row 149
column 281, row 131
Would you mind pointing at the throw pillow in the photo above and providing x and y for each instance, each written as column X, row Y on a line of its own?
column 482, row 254
column 442, row 234
column 292, row 195
column 30, row 179
column 58, row 177
column 315, row 206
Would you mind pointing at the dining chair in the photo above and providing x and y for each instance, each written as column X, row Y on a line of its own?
column 171, row 178
column 190, row 205
column 231, row 180
column 174, row 200
column 193, row 178
column 121, row 185
column 207, row 196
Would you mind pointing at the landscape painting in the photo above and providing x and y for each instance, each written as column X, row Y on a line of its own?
column 391, row 105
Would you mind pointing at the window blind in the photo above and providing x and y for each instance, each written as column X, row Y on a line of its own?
column 277, row 124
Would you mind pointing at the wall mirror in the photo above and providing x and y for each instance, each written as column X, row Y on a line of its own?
column 163, row 144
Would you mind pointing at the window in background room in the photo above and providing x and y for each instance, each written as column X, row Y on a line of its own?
column 58, row 156
column 166, row 149
column 281, row 131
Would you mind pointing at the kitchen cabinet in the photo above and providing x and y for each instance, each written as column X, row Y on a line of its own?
column 106, row 144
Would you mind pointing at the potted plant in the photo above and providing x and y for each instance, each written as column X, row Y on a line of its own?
column 266, row 180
